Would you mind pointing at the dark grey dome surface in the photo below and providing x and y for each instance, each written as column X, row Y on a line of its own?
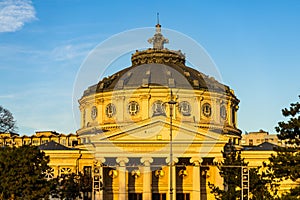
column 157, row 68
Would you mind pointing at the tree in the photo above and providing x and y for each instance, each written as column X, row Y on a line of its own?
column 292, row 194
column 7, row 122
column 22, row 173
column 290, row 130
column 262, row 186
column 67, row 187
column 230, row 174
column 286, row 163
column 70, row 186
column 230, row 170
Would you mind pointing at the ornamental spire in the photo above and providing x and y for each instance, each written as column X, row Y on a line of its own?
column 158, row 40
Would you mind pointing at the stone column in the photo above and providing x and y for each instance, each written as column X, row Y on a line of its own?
column 175, row 160
column 196, row 177
column 147, row 178
column 122, row 177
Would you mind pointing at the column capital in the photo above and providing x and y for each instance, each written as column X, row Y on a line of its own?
column 175, row 160
column 99, row 161
column 196, row 160
column 122, row 161
column 146, row 160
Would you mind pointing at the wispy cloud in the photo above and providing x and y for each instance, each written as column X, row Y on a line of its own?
column 8, row 96
column 71, row 51
column 14, row 14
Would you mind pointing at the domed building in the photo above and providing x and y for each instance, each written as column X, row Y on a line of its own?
column 156, row 127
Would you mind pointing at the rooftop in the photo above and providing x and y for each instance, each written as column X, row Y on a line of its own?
column 266, row 146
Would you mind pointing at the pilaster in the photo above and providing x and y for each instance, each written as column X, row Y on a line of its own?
column 147, row 178
column 196, row 177
column 172, row 172
column 122, row 177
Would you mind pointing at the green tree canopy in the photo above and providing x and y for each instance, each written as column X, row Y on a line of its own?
column 286, row 163
column 290, row 130
column 22, row 173
column 7, row 122
column 67, row 187
column 70, row 186
column 230, row 170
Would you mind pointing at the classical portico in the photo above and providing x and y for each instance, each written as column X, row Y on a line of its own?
column 140, row 168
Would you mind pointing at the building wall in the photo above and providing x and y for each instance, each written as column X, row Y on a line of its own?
column 256, row 138
column 40, row 137
column 146, row 100
column 256, row 159
column 191, row 174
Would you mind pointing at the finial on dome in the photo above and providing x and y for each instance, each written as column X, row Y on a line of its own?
column 158, row 39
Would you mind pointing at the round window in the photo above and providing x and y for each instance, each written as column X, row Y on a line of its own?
column 206, row 110
column 133, row 108
column 223, row 112
column 159, row 108
column 94, row 112
column 185, row 108
column 110, row 110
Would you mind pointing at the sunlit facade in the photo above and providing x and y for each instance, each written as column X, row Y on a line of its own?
column 127, row 121
column 152, row 131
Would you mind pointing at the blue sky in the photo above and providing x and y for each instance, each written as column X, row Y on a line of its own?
column 255, row 45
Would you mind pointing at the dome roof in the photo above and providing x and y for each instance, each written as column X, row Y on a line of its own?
column 152, row 68
column 157, row 66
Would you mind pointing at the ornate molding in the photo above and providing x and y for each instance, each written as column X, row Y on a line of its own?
column 159, row 173
column 175, row 160
column 162, row 56
column 99, row 101
column 122, row 161
column 113, row 173
column 146, row 161
column 196, row 161
column 99, row 161
column 136, row 173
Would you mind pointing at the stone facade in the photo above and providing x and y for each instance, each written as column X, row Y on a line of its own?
column 152, row 131
column 156, row 127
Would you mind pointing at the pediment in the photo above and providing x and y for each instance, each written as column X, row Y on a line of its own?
column 158, row 129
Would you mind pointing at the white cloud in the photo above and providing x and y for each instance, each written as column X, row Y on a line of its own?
column 71, row 51
column 14, row 14
column 8, row 96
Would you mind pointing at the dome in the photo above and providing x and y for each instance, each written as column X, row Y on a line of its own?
column 139, row 93
column 158, row 67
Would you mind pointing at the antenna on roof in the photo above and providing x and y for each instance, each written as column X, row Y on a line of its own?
column 157, row 16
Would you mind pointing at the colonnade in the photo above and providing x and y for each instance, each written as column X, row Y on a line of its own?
column 145, row 169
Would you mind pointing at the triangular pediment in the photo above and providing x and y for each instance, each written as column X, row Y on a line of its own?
column 158, row 129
